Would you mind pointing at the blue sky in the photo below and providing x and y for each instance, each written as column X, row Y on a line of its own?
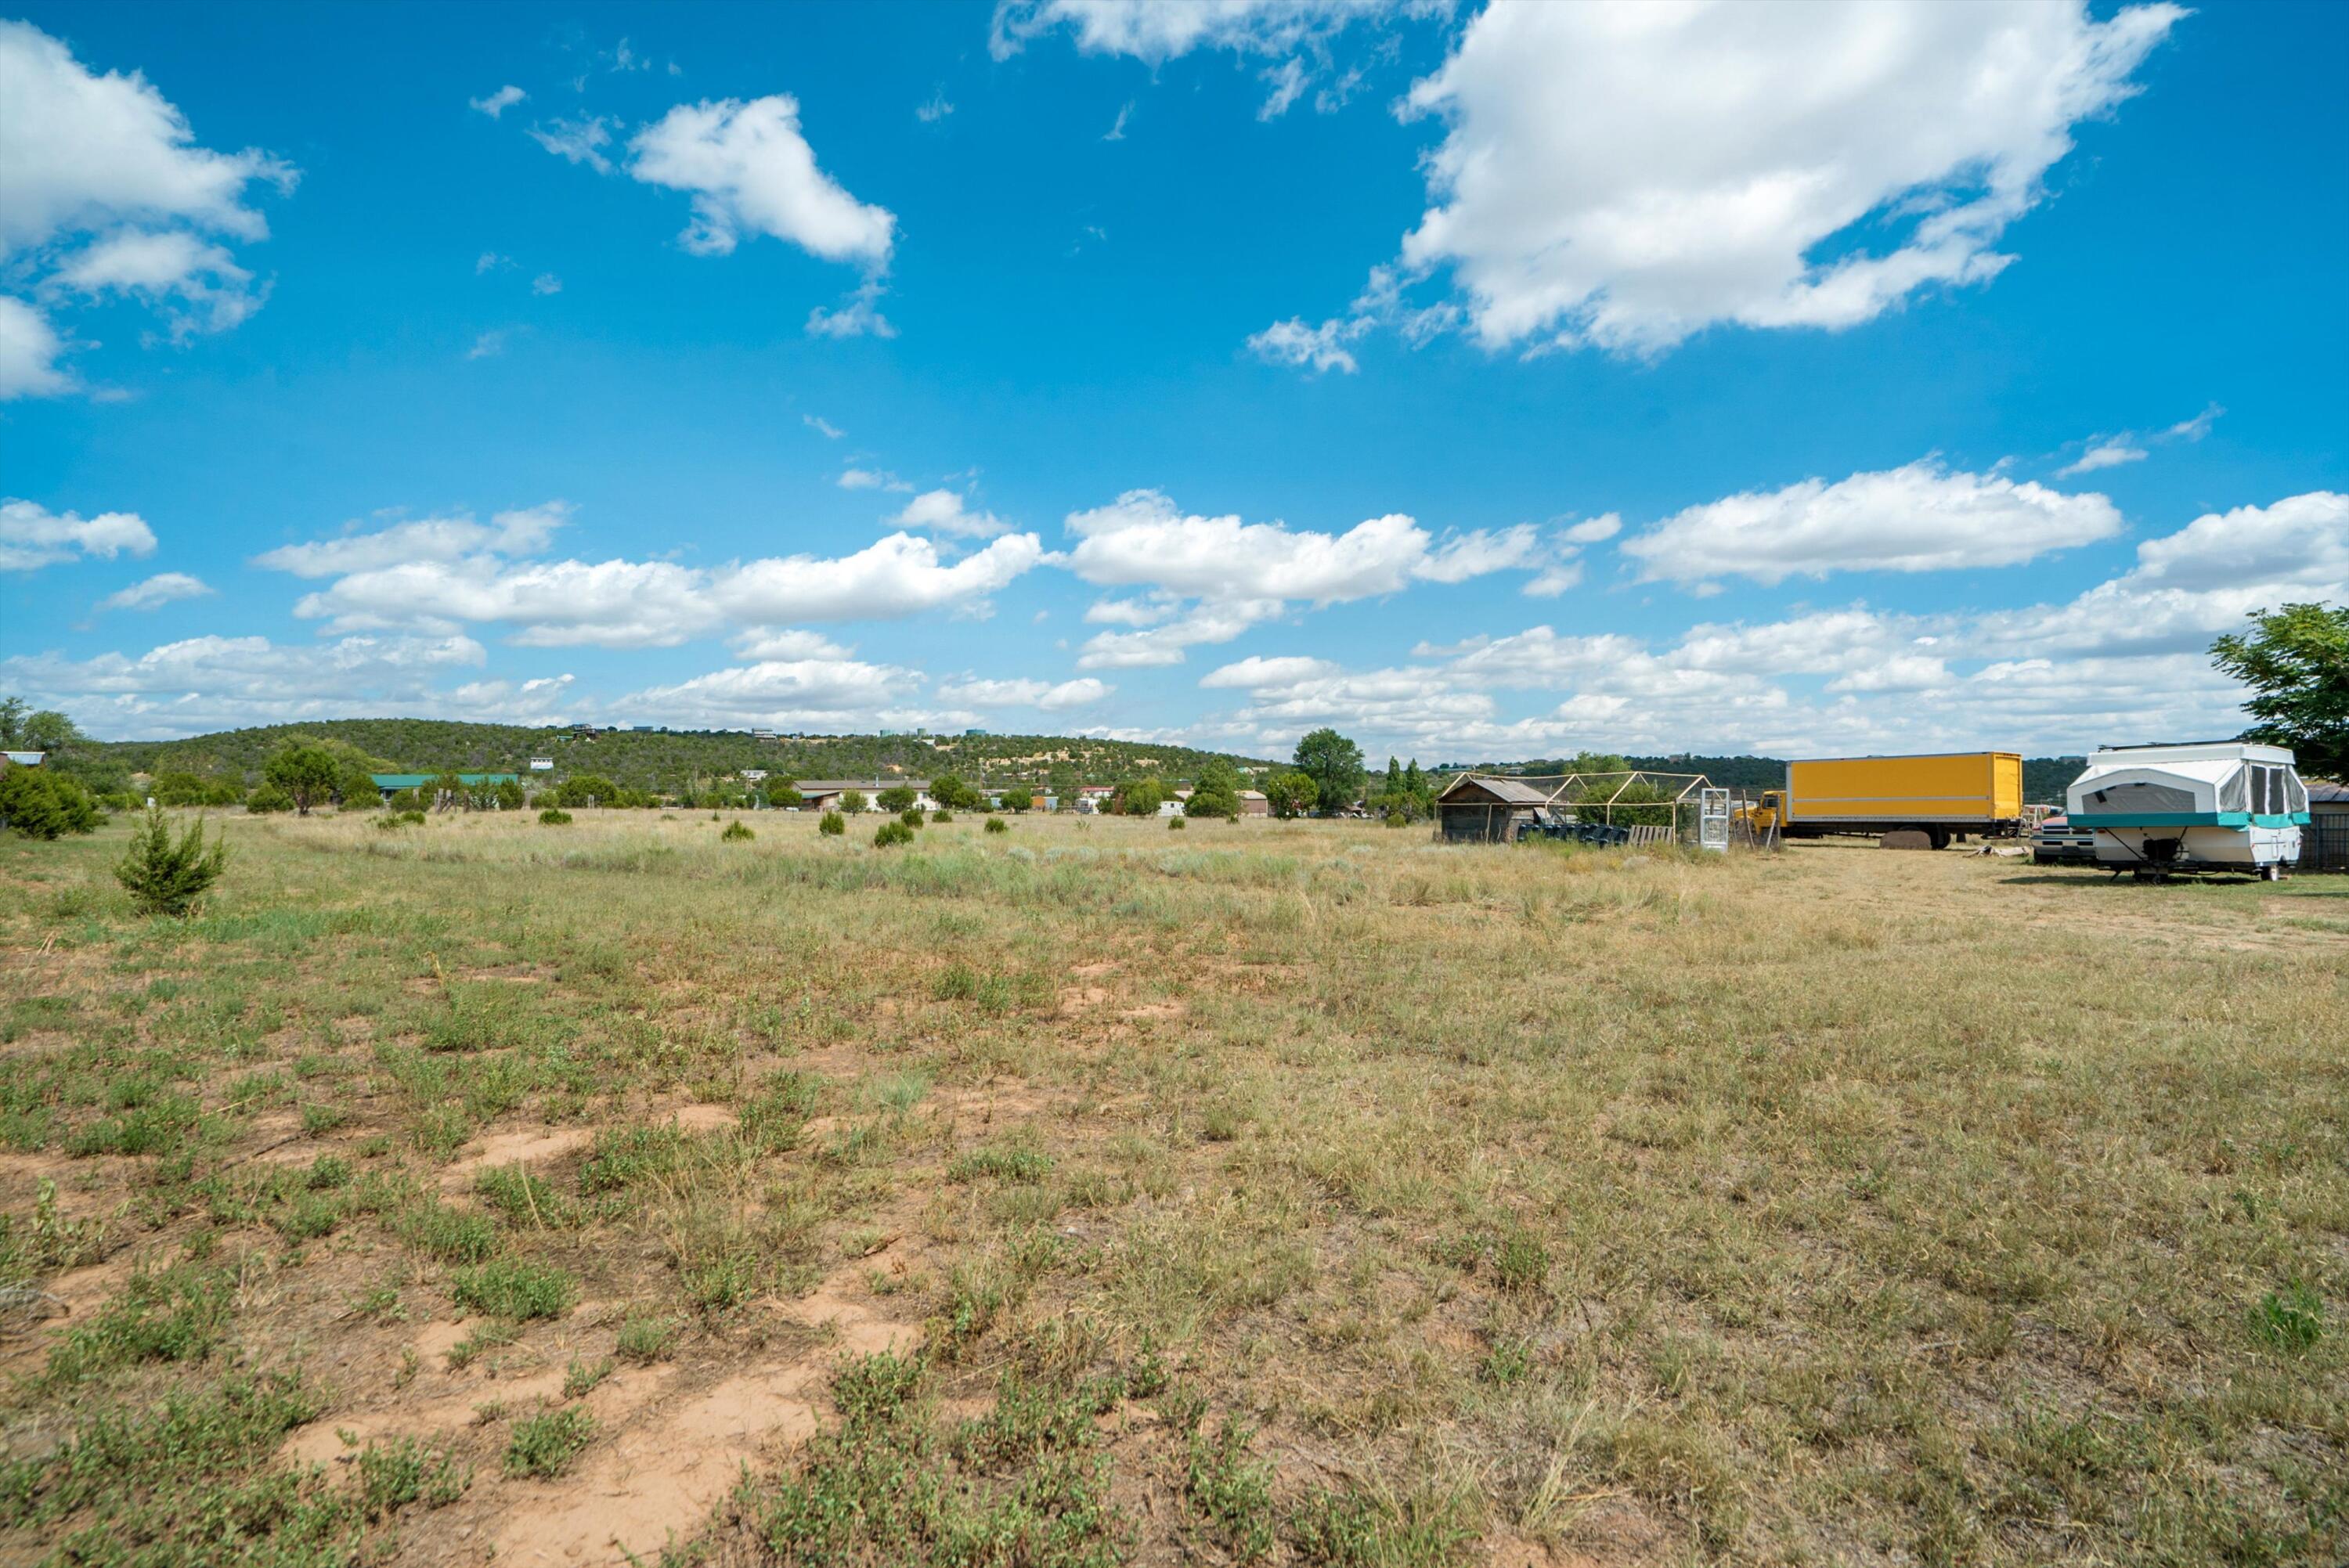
column 1487, row 383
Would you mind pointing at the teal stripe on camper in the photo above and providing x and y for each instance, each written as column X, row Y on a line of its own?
column 2187, row 820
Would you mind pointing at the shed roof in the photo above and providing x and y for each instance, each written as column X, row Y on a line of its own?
column 2324, row 791
column 1508, row 790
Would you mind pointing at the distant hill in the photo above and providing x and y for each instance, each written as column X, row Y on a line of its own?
column 665, row 759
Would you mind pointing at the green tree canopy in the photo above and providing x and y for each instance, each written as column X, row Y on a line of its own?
column 1215, row 793
column 2296, row 662
column 896, row 798
column 1140, row 797
column 41, row 803
column 1335, row 765
column 852, row 801
column 949, row 791
column 586, row 790
column 1289, row 793
column 307, row 774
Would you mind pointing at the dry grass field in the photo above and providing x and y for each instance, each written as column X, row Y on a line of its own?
column 487, row 1192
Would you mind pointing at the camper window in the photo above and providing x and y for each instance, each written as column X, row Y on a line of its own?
column 2232, row 796
column 2296, row 798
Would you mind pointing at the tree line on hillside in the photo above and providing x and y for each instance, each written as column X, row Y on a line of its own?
column 666, row 761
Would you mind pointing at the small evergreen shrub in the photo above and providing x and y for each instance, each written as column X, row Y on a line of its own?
column 997, row 825
column 42, row 803
column 911, row 816
column 269, row 798
column 942, row 815
column 1177, row 824
column 833, row 824
column 893, row 833
column 735, row 834
column 167, row 876
column 555, row 816
column 412, row 817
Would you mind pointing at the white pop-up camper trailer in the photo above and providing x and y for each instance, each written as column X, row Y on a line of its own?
column 2218, row 806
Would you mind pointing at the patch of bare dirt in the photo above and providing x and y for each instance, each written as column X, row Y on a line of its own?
column 526, row 1146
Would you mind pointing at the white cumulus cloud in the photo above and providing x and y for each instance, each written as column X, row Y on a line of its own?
column 1919, row 518
column 1623, row 173
column 1083, row 692
column 942, row 511
column 32, row 536
column 163, row 588
column 749, row 169
column 106, row 158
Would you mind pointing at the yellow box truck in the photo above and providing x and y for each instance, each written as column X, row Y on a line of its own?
column 1943, row 797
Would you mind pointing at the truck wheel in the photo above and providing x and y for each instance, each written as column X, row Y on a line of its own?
column 1941, row 837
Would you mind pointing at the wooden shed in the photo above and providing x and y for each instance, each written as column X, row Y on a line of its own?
column 1484, row 808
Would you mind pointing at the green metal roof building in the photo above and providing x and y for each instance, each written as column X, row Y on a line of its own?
column 392, row 783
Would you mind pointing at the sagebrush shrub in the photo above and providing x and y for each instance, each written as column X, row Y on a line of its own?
column 167, row 876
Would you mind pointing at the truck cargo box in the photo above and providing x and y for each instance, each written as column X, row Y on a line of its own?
column 1971, row 790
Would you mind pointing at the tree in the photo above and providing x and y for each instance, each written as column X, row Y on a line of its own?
column 306, row 773
column 354, row 787
column 1062, row 781
column 584, row 789
column 1016, row 797
column 852, row 801
column 181, row 788
column 2296, row 662
column 24, row 729
column 1335, row 765
column 1140, row 797
column 268, row 797
column 896, row 800
column 1215, row 793
column 1289, row 793
column 783, row 797
column 38, row 803
column 166, row 877
column 949, row 791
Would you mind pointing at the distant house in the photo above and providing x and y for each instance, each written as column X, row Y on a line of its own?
column 21, row 760
column 823, row 794
column 1486, row 807
column 393, row 783
column 754, row 775
column 541, row 765
column 1254, row 804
